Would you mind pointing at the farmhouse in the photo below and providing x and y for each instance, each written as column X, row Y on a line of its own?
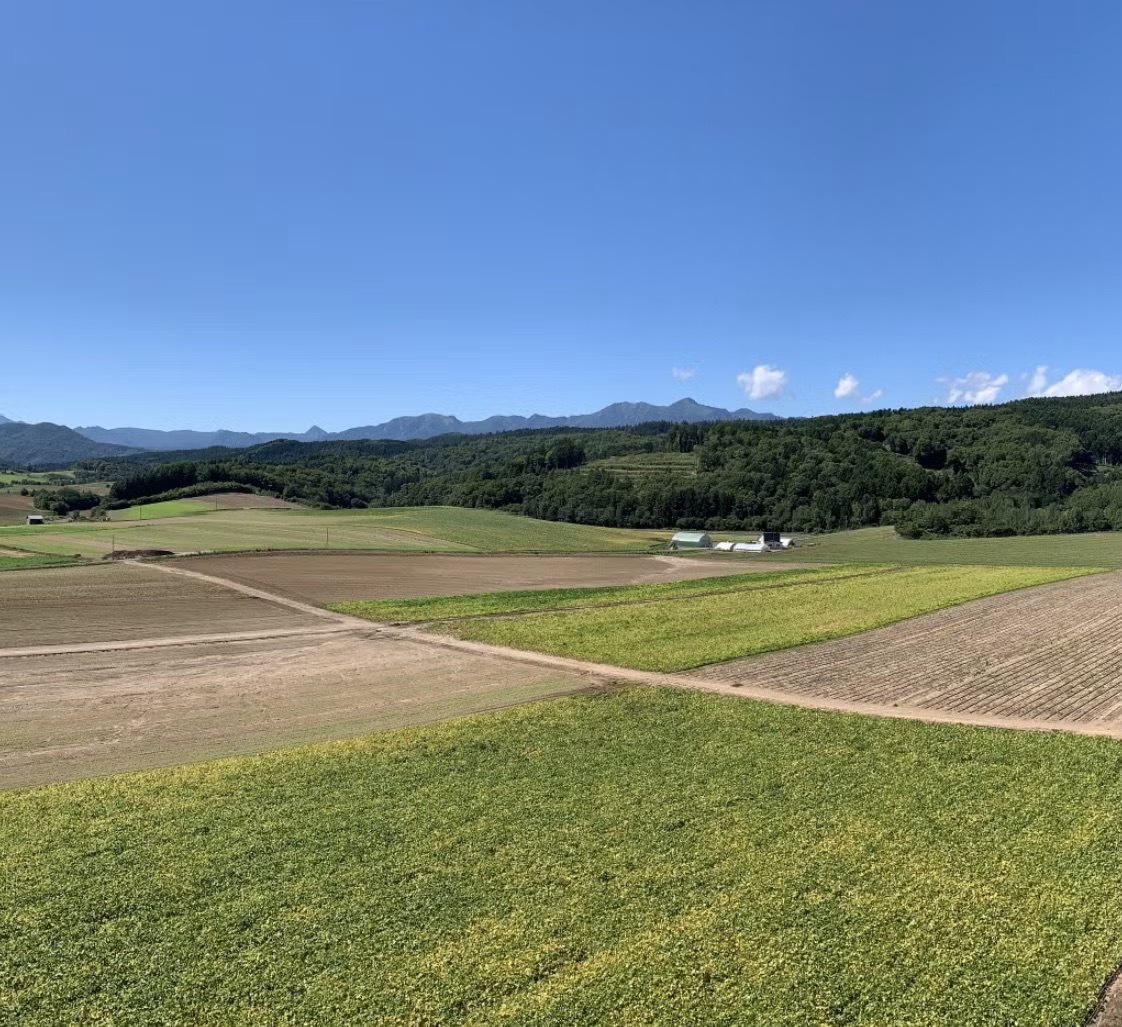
column 691, row 540
column 35, row 519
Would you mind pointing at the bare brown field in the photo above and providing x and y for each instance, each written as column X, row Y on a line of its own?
column 116, row 602
column 70, row 716
column 244, row 501
column 336, row 577
column 14, row 508
column 1044, row 656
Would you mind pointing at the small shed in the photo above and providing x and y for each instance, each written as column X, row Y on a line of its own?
column 36, row 519
column 724, row 546
column 750, row 547
column 691, row 540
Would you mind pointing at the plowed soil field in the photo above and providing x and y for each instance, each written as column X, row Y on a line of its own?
column 14, row 508
column 119, row 602
column 338, row 577
column 1047, row 655
column 69, row 716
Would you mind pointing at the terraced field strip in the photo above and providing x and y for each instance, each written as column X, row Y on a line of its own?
column 1044, row 655
column 73, row 606
column 391, row 578
column 698, row 630
column 451, row 609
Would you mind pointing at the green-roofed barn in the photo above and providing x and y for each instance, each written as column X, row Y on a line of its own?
column 691, row 540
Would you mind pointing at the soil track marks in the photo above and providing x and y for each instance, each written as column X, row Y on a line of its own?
column 122, row 602
column 337, row 577
column 1044, row 656
column 64, row 717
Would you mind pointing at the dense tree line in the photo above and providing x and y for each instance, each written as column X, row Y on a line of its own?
column 1041, row 465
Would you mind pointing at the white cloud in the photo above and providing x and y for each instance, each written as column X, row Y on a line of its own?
column 1075, row 383
column 762, row 381
column 974, row 387
column 1038, row 383
column 683, row 374
column 873, row 396
column 847, row 386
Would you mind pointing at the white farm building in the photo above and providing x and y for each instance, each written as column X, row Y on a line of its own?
column 691, row 540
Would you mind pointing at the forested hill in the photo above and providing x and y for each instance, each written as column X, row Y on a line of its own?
column 1037, row 465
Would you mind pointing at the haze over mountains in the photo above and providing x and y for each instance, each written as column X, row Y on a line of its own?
column 53, row 444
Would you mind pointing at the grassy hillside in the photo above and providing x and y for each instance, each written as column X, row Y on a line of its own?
column 642, row 857
column 440, row 529
column 679, row 633
column 882, row 545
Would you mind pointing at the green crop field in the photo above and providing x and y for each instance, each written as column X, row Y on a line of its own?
column 432, row 528
column 880, row 545
column 430, row 608
column 25, row 563
column 639, row 857
column 154, row 511
column 681, row 633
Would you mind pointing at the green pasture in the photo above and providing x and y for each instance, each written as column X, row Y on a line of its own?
column 643, row 857
column 881, row 545
column 167, row 508
column 29, row 563
column 422, row 529
column 431, row 608
column 699, row 629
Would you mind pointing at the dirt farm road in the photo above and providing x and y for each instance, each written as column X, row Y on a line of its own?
column 285, row 672
column 1022, row 687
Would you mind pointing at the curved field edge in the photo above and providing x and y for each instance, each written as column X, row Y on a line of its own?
column 700, row 630
column 643, row 856
column 430, row 608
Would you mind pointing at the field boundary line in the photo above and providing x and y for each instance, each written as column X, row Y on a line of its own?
column 644, row 602
column 745, row 691
column 257, row 593
column 654, row 678
column 169, row 641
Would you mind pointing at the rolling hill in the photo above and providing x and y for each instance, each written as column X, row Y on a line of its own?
column 49, row 445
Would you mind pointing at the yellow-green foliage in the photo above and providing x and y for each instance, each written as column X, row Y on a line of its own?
column 640, row 858
column 691, row 632
column 428, row 608
column 168, row 508
column 398, row 529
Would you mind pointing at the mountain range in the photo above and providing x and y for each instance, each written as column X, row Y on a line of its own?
column 49, row 445
column 46, row 443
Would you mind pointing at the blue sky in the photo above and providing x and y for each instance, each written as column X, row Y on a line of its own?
column 264, row 215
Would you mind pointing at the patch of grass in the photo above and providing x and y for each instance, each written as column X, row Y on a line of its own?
column 429, row 608
column 168, row 508
column 400, row 529
column 642, row 857
column 29, row 563
column 692, row 632
column 880, row 545
column 650, row 465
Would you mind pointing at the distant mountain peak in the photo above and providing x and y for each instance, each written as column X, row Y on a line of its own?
column 424, row 426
